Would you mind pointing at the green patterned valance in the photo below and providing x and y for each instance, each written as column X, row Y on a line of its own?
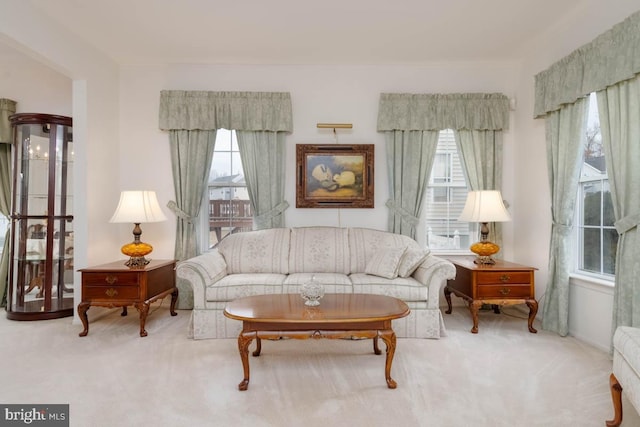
column 472, row 111
column 612, row 57
column 248, row 111
column 7, row 108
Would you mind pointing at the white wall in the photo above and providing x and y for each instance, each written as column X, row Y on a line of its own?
column 319, row 94
column 591, row 304
column 35, row 87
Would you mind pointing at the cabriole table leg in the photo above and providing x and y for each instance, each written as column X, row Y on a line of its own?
column 389, row 338
column 143, row 308
column 174, row 299
column 474, row 306
column 82, row 313
column 533, row 310
column 244, row 340
column 616, row 396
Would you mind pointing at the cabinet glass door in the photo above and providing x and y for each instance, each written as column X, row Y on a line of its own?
column 41, row 270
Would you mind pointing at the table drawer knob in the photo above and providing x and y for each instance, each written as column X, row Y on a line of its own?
column 504, row 291
column 111, row 279
column 111, row 292
column 505, row 278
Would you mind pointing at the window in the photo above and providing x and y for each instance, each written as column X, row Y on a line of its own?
column 443, row 163
column 446, row 196
column 597, row 238
column 229, row 209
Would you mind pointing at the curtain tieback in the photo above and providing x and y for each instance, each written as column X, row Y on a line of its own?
column 565, row 229
column 627, row 223
column 173, row 207
column 262, row 220
column 404, row 214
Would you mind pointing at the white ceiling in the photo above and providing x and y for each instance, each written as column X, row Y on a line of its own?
column 308, row 32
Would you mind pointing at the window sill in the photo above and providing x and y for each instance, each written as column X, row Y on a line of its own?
column 590, row 282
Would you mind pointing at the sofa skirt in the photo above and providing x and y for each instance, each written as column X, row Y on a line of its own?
column 422, row 322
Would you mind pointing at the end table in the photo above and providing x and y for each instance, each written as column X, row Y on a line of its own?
column 116, row 285
column 502, row 283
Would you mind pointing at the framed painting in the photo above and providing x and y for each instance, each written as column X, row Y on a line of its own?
column 334, row 176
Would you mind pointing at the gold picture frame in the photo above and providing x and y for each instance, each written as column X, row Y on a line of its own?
column 334, row 176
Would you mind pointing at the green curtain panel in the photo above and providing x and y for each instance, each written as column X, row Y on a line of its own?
column 612, row 57
column 7, row 108
column 5, row 209
column 619, row 110
column 565, row 130
column 263, row 160
column 191, row 156
column 481, row 158
column 410, row 156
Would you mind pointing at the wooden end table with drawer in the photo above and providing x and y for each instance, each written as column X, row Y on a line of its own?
column 116, row 285
column 502, row 283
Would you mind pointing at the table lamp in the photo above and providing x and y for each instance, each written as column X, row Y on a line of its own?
column 137, row 207
column 484, row 207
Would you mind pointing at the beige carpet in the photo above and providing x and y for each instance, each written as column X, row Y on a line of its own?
column 503, row 376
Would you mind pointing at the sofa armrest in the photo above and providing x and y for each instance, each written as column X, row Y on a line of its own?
column 194, row 275
column 434, row 273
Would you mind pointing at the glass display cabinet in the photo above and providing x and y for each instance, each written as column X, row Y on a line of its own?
column 41, row 268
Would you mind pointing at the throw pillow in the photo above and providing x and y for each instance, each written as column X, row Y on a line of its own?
column 411, row 260
column 385, row 263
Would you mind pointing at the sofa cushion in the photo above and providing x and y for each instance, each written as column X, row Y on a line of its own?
column 410, row 261
column 364, row 242
column 244, row 284
column 334, row 283
column 261, row 251
column 406, row 289
column 385, row 262
column 319, row 250
column 626, row 341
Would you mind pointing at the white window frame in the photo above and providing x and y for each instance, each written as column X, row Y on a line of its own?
column 579, row 220
column 446, row 179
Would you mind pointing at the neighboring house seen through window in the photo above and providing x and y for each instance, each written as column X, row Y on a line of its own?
column 446, row 196
column 229, row 209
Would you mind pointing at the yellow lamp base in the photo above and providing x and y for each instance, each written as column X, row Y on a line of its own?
column 136, row 251
column 484, row 250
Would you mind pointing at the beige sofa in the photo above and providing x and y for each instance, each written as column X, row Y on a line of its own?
column 280, row 260
column 626, row 370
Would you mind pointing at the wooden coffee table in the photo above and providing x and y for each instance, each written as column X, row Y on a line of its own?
column 337, row 316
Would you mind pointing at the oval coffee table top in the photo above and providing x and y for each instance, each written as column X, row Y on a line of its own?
column 341, row 308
